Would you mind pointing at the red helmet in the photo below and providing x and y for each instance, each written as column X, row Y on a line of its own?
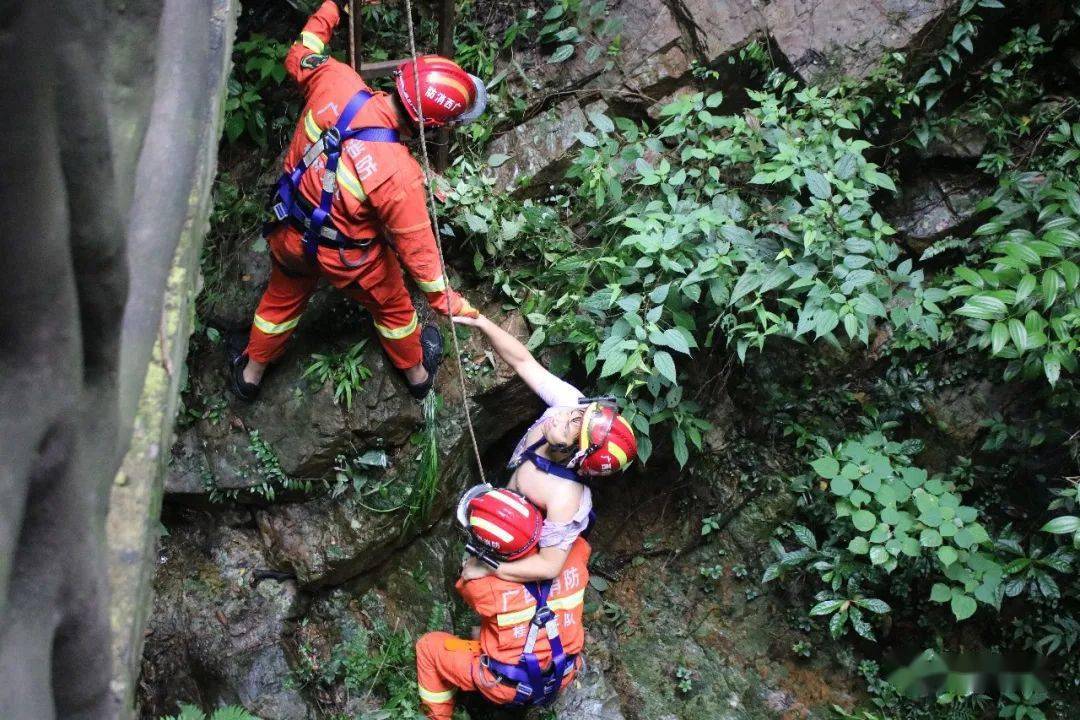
column 448, row 94
column 505, row 522
column 607, row 441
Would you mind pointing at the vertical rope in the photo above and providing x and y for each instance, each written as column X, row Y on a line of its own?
column 352, row 36
column 438, row 240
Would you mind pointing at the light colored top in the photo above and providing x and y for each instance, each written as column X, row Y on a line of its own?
column 558, row 395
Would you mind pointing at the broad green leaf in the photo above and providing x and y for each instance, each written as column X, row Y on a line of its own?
column 947, row 555
column 664, row 364
column 983, row 307
column 497, row 159
column 930, row 538
column 826, row 466
column 586, row 138
column 841, row 486
column 818, row 184
column 940, row 593
column 1050, row 282
column 864, row 520
column 963, row 606
column 826, row 606
column 601, row 121
column 1063, row 525
column 878, row 607
column 562, row 53
column 880, row 179
column 999, row 337
column 878, row 555
column 859, row 545
column 1024, row 287
column 1018, row 333
column 845, row 167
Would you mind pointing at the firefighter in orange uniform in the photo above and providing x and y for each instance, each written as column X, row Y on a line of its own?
column 352, row 203
column 531, row 636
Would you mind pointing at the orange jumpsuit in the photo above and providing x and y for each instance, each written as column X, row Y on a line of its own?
column 380, row 194
column 446, row 664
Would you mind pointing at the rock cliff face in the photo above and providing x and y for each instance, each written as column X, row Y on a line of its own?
column 253, row 595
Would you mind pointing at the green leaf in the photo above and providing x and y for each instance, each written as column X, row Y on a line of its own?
column 999, row 337
column 613, row 364
column 878, row 607
column 970, row 276
column 963, row 606
column 497, row 159
column 1024, row 287
column 910, row 547
column 562, row 53
column 947, row 555
column 940, row 593
column 930, row 538
column 859, row 545
column 983, row 307
column 864, row 520
column 601, row 121
column 818, row 184
column 664, row 364
column 1063, row 525
column 586, row 138
column 826, row 607
column 1018, row 333
column 826, row 466
column 1050, row 282
column 878, row 555
column 845, row 167
column 1052, row 369
column 880, row 179
column 675, row 340
column 869, row 305
column 841, row 486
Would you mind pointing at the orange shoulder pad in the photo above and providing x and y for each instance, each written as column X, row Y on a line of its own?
column 377, row 162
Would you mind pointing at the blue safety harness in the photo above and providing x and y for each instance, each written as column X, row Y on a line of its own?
column 533, row 685
column 314, row 220
column 547, row 465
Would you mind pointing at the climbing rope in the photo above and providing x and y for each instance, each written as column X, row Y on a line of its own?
column 438, row 240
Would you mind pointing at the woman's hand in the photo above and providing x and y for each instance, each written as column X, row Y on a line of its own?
column 470, row 321
column 473, row 569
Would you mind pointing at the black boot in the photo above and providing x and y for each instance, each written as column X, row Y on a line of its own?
column 241, row 388
column 431, row 342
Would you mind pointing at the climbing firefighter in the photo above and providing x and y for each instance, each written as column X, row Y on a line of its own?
column 352, row 203
column 575, row 439
column 531, row 634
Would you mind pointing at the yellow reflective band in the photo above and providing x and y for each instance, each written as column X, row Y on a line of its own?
column 491, row 528
column 437, row 285
column 349, row 181
column 312, row 42
column 517, row 617
column 525, row 615
column 397, row 333
column 311, row 128
column 435, row 698
column 617, row 452
column 569, row 602
column 275, row 328
column 507, row 499
column 621, row 419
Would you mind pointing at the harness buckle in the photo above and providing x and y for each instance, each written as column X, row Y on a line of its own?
column 331, row 139
column 543, row 616
column 280, row 211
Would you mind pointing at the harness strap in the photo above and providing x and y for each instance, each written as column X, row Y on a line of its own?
column 549, row 466
column 534, row 686
column 314, row 220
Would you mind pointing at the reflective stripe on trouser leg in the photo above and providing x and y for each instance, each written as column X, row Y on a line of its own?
column 440, row 673
column 383, row 294
column 278, row 313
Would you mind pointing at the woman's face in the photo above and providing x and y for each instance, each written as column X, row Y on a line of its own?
column 562, row 429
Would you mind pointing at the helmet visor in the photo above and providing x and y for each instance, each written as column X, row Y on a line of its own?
column 478, row 106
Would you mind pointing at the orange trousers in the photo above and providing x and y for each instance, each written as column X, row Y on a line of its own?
column 377, row 284
column 446, row 664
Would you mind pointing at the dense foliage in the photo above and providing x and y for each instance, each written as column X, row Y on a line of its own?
column 718, row 248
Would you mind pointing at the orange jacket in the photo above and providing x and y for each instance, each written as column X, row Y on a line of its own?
column 380, row 186
column 505, row 609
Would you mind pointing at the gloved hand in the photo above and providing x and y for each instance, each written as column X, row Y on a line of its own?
column 457, row 304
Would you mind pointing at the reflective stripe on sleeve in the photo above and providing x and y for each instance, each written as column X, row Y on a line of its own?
column 311, row 128
column 436, row 285
column 312, row 42
column 349, row 181
column 436, row 698
column 398, row 333
column 275, row 328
